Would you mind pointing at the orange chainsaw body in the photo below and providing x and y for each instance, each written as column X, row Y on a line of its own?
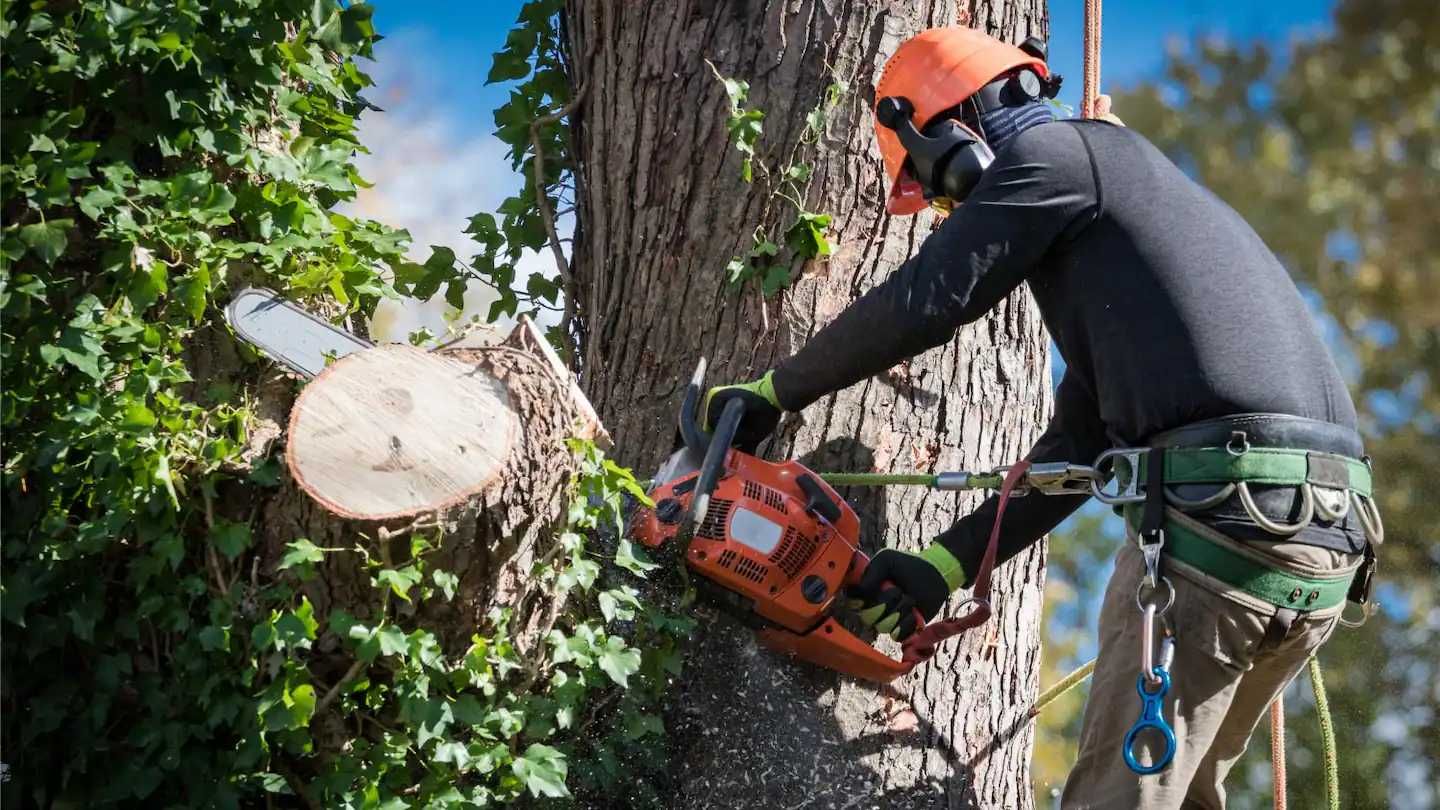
column 781, row 544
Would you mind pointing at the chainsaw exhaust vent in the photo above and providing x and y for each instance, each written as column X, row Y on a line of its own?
column 759, row 492
column 794, row 552
column 744, row 566
column 713, row 526
column 751, row 570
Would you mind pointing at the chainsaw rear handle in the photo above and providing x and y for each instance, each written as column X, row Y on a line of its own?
column 858, row 564
column 714, row 463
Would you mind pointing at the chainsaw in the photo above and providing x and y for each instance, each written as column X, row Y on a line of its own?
column 770, row 541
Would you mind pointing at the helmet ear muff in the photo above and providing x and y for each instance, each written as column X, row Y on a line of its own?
column 947, row 158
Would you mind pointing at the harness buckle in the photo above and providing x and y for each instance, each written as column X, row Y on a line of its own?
column 1124, row 468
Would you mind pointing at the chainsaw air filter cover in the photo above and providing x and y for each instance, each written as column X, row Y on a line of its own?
column 774, row 534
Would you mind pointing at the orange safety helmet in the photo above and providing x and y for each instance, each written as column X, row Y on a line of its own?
column 936, row 70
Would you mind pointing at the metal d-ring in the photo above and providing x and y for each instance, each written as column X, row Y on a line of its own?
column 1244, row 443
column 1307, row 510
column 1200, row 504
column 980, row 604
column 1369, row 515
column 1366, row 611
column 1169, row 600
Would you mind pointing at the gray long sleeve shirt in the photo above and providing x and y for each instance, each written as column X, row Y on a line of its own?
column 1165, row 305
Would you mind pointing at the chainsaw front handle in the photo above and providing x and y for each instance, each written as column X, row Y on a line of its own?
column 714, row 463
column 686, row 422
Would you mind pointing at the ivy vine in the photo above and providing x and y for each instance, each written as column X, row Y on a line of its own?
column 158, row 156
column 787, row 183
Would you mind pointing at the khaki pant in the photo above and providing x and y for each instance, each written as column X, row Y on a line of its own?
column 1233, row 655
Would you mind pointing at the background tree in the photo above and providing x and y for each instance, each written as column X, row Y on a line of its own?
column 1329, row 148
column 729, row 210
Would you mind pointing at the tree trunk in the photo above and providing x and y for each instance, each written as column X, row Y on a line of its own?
column 662, row 208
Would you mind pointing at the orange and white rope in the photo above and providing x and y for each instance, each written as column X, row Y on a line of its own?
column 1091, row 90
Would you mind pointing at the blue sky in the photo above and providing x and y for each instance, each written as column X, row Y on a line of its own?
column 463, row 35
column 435, row 163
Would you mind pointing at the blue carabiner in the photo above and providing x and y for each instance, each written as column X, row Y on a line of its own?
column 1151, row 716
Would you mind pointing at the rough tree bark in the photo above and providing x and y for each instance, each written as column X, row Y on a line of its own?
column 662, row 208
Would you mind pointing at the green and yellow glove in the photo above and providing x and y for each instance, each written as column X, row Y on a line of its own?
column 897, row 582
column 762, row 410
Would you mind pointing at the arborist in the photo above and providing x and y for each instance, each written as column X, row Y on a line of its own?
column 1189, row 354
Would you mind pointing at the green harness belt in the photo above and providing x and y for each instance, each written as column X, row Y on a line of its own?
column 1255, row 465
column 1262, row 465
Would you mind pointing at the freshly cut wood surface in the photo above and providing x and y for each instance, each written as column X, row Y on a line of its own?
column 395, row 431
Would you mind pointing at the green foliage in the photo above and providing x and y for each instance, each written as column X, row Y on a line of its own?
column 534, row 59
column 157, row 157
column 805, row 237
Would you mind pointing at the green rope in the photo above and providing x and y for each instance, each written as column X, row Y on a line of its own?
column 1064, row 685
column 1327, row 736
column 840, row 479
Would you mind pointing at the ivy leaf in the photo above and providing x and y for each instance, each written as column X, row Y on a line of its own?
column 618, row 660
column 193, row 291
column 446, row 582
column 807, row 235
column 301, row 552
column 137, row 418
column 737, row 271
column 736, row 90
column 301, row 702
column 631, row 559
column 392, row 641
column 400, row 581
column 776, row 278
column 213, row 638
column 120, row 16
column 47, row 239
column 638, row 724
column 455, row 294
column 619, row 603
column 543, row 770
column 454, row 753
column 580, row 572
column 295, row 629
column 230, row 538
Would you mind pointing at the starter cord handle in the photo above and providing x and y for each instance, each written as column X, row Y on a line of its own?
column 920, row 646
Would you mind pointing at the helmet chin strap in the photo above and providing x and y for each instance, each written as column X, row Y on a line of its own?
column 947, row 158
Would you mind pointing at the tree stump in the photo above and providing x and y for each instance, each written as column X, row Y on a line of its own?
column 470, row 441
